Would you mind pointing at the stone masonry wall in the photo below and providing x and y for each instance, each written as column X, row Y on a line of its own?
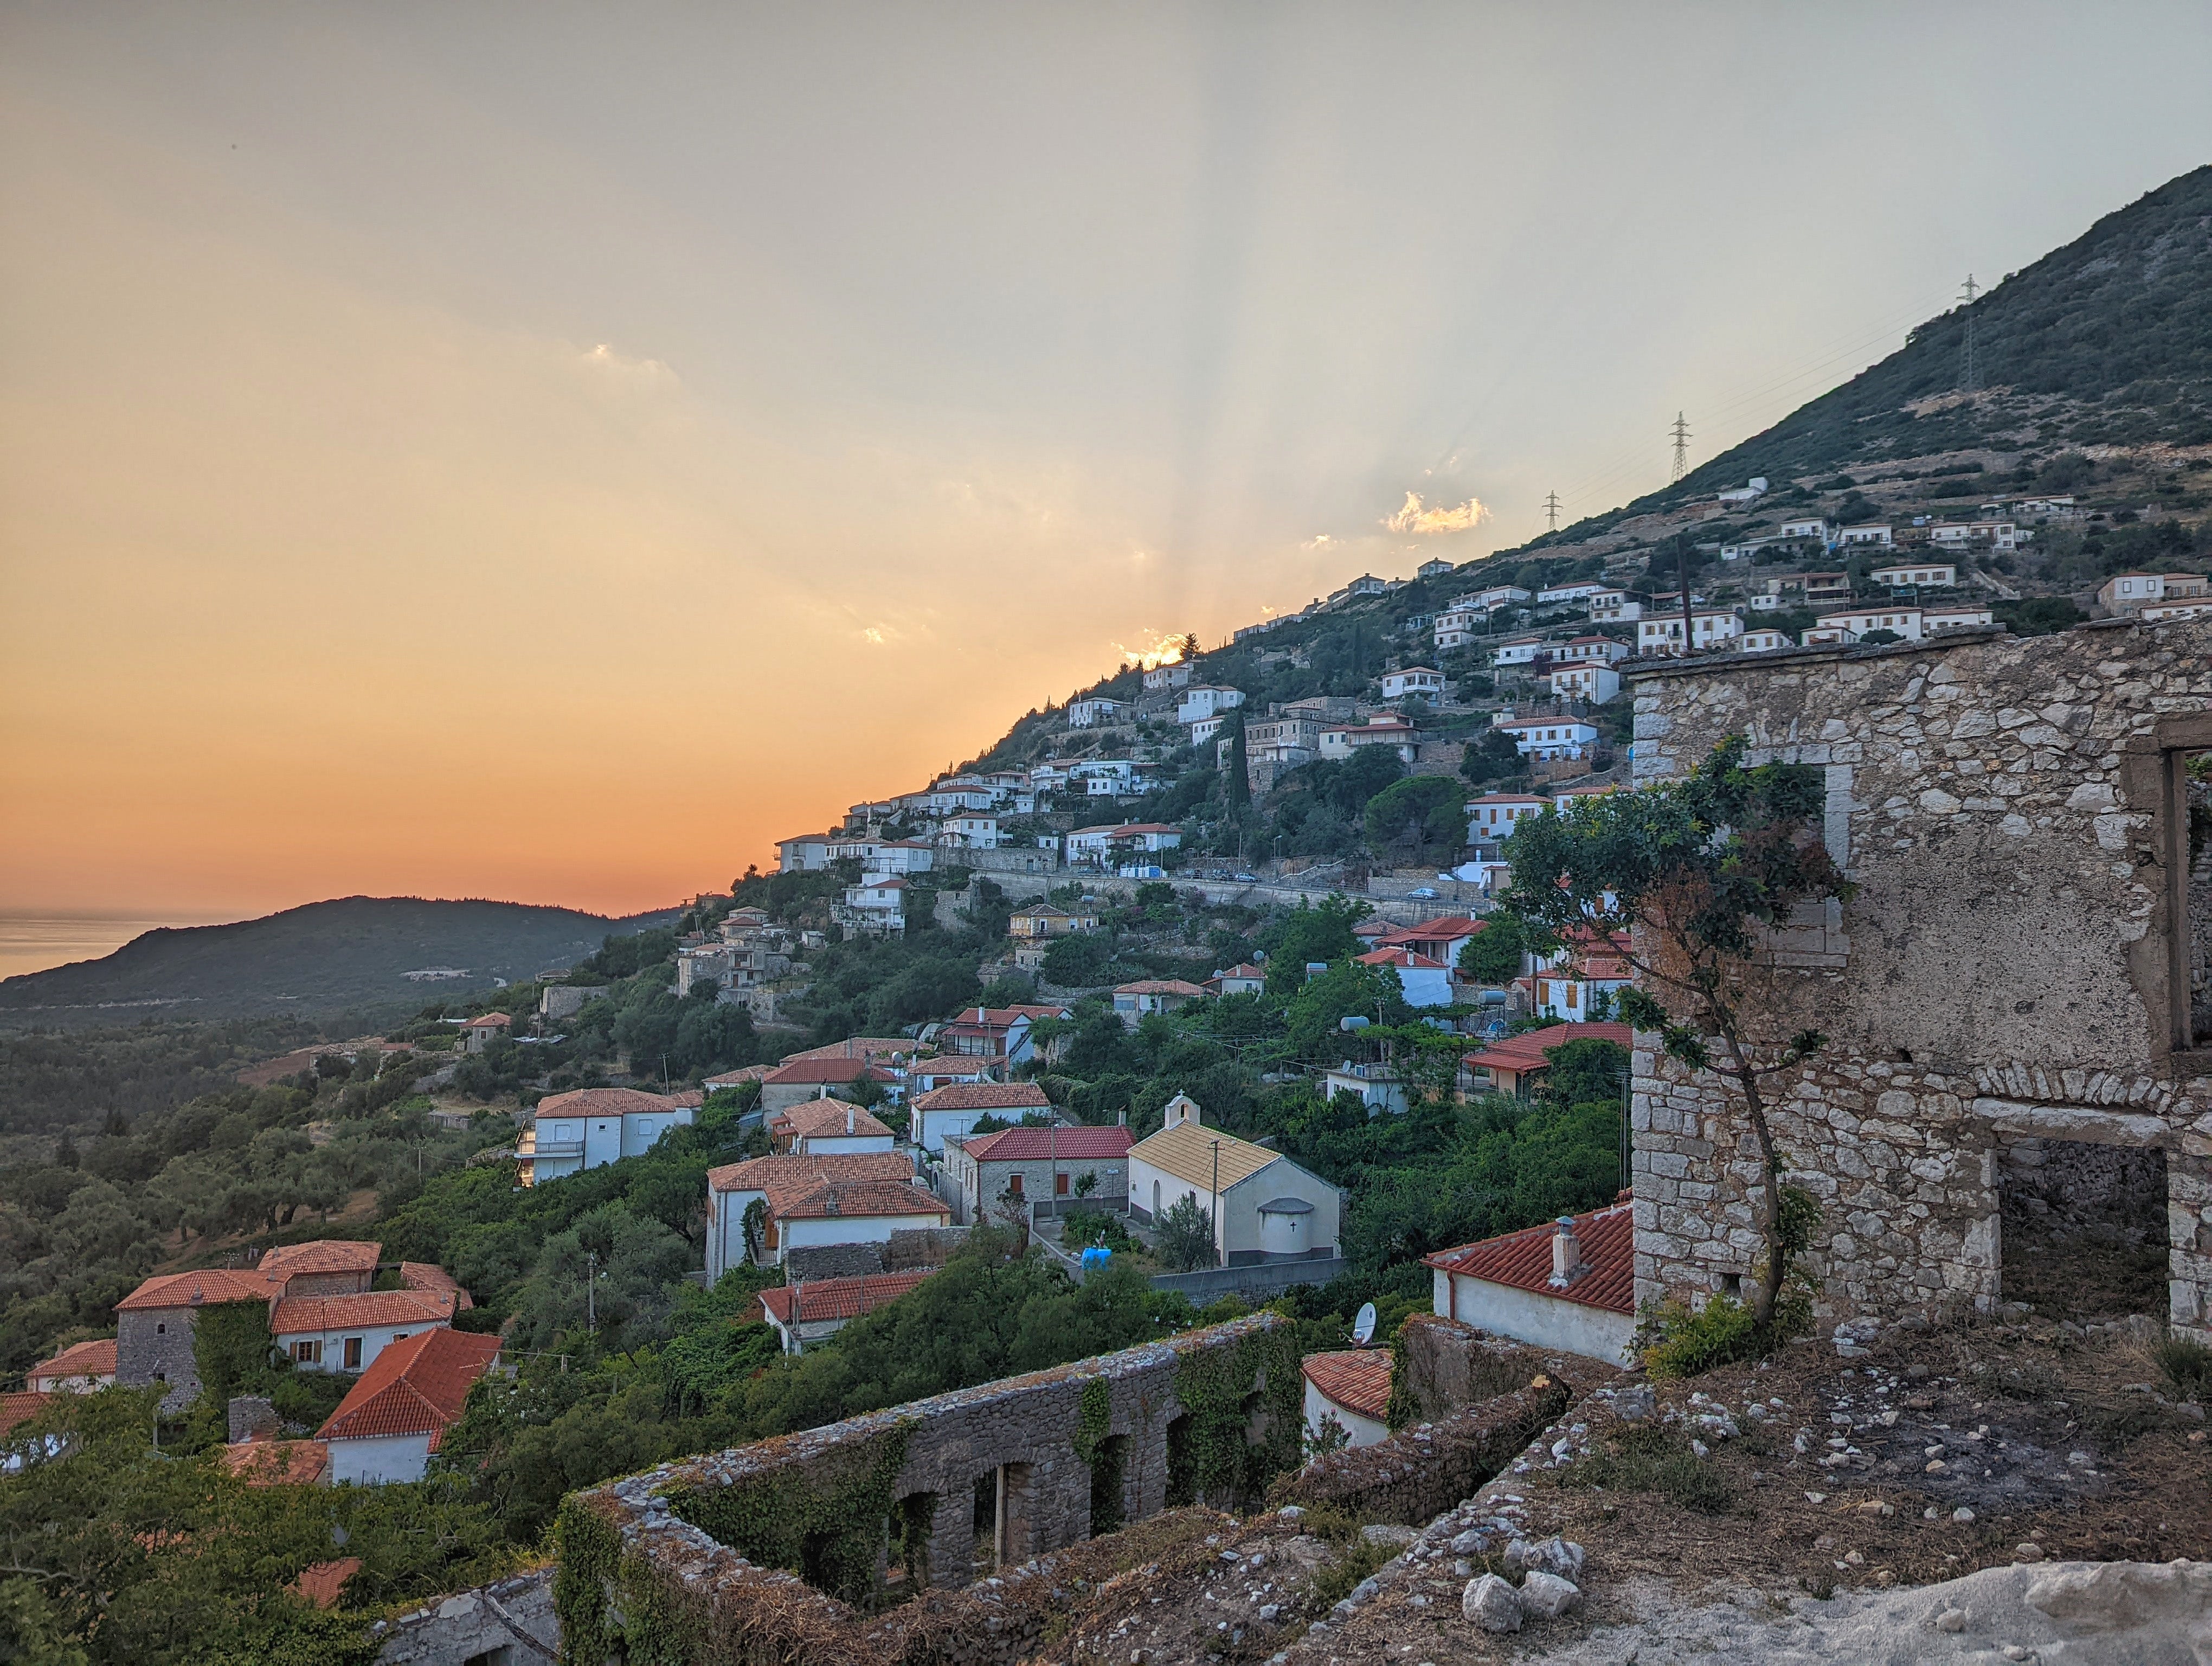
column 2004, row 973
column 155, row 1344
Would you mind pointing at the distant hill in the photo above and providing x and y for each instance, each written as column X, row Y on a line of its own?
column 353, row 953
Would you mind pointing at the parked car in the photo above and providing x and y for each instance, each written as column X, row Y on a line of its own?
column 1424, row 892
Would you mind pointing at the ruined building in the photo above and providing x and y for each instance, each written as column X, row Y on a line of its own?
column 2016, row 999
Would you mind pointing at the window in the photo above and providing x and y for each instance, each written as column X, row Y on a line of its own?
column 161, row 1328
column 1060, row 1185
column 353, row 1354
column 1014, row 1185
column 307, row 1353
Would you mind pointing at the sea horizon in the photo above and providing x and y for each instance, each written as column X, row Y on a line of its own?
column 38, row 940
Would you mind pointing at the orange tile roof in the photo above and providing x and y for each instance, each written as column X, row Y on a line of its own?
column 835, row 1072
column 417, row 1386
column 814, row 1118
column 984, row 1095
column 322, row 1582
column 489, row 1021
column 320, row 1255
column 430, row 1279
column 604, row 1102
column 1357, row 1379
column 204, row 1288
column 761, row 1174
column 839, row 1298
column 863, row 1199
column 16, row 1409
column 296, row 1316
column 1525, row 1051
column 1398, row 956
column 1523, row 1260
column 93, row 1358
column 1044, row 1145
column 1160, row 985
column 276, row 1463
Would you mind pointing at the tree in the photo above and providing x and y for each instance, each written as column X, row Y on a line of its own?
column 1185, row 1232
column 1238, row 792
column 1492, row 956
column 1684, row 877
column 1320, row 932
column 1493, row 758
column 1423, row 811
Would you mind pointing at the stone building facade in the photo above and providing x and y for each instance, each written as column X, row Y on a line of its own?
column 2017, row 973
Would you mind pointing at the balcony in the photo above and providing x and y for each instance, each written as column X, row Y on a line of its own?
column 555, row 1148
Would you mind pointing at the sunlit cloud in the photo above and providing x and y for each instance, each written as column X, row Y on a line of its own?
column 1319, row 541
column 1413, row 518
column 605, row 358
column 1164, row 650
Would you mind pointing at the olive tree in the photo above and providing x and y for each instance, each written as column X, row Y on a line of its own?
column 1684, row 879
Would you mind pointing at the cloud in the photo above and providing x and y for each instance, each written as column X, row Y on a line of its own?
column 1165, row 650
column 1413, row 518
column 604, row 357
column 1318, row 541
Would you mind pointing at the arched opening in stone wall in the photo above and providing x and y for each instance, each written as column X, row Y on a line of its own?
column 986, row 1520
column 1109, row 1472
column 2084, row 1228
column 1182, row 1463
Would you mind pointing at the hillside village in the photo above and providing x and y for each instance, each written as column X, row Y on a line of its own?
column 1238, row 1171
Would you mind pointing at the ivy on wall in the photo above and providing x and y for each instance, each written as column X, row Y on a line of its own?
column 1104, row 1451
column 1241, row 1417
column 231, row 1348
column 1403, row 1407
column 824, row 1520
column 614, row 1607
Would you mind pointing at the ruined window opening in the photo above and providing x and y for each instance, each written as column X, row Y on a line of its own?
column 985, row 1521
column 1182, row 1463
column 2084, row 1228
column 2189, row 775
column 1108, row 1466
column 503, row 1655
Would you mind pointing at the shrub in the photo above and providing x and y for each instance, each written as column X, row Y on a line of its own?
column 1645, row 1458
column 2185, row 1365
column 1678, row 1341
column 1185, row 1229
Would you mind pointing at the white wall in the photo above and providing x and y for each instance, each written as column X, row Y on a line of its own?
column 374, row 1338
column 823, row 1144
column 381, row 1462
column 815, row 1231
column 1363, row 1430
column 725, row 1231
column 1240, row 1206
column 1540, row 1321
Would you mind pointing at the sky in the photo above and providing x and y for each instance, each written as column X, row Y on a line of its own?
column 550, row 451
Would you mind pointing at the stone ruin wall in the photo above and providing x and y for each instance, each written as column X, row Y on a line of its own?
column 1022, row 1430
column 2002, row 980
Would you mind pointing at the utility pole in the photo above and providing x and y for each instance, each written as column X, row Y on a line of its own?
column 591, row 1291
column 1551, row 508
column 1969, row 372
column 1681, row 447
column 1214, row 1210
column 1689, row 620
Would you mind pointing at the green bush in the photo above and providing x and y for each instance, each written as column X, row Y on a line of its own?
column 1646, row 1458
column 2186, row 1365
column 1678, row 1341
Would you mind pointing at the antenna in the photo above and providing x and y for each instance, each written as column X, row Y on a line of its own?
column 1552, row 510
column 1969, row 372
column 1681, row 448
column 1363, row 1326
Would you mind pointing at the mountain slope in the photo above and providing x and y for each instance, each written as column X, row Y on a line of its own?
column 350, row 952
column 2107, row 340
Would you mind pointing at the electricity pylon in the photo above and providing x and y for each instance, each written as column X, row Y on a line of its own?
column 1681, row 447
column 1552, row 512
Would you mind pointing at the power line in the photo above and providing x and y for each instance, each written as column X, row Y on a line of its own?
column 1681, row 448
column 1969, row 377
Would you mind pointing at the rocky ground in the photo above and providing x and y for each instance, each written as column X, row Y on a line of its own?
column 1804, row 1508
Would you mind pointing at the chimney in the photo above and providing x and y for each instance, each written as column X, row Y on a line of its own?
column 848, row 1118
column 1566, row 1254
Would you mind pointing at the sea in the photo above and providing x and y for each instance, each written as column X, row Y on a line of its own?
column 32, row 940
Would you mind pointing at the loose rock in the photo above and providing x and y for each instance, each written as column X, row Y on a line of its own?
column 1491, row 1603
column 1549, row 1596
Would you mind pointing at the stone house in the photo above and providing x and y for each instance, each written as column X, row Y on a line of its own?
column 1041, row 1169
column 2021, row 981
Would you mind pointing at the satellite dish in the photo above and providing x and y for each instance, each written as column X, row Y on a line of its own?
column 1363, row 1326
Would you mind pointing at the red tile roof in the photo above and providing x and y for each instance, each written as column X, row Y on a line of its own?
column 16, row 1409
column 863, row 1200
column 825, row 1119
column 276, row 1463
column 1357, row 1379
column 489, row 1021
column 840, row 1298
column 984, row 1095
column 322, row 1582
column 1040, row 1144
column 321, row 1255
column 416, row 1386
column 296, row 1316
column 604, row 1102
column 204, row 1288
column 815, row 1072
column 429, row 1279
column 93, row 1358
column 765, row 1174
column 1397, row 956
column 1525, row 1052
column 1158, row 986
column 1523, row 1260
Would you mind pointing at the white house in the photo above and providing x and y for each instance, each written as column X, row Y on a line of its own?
column 1264, row 1206
column 1516, row 651
column 1425, row 982
column 827, row 1127
column 1174, row 676
column 2124, row 592
column 1351, row 1390
column 350, row 1333
column 1616, row 606
column 1339, row 740
column 1579, row 590
column 1095, row 712
column 390, row 1422
column 1497, row 596
column 1605, row 650
column 1415, row 679
column 1662, row 632
column 1454, row 628
column 1929, row 573
column 1856, row 622
column 1590, row 681
column 1200, row 703
column 1134, row 1002
column 1956, row 615
column 969, row 832
column 1819, row 529
column 808, row 1200
column 1377, row 1087
column 808, row 853
column 80, row 1368
column 1492, row 815
column 951, row 1112
column 1549, row 737
column 1952, row 534
column 1570, row 1285
column 593, row 1126
column 878, row 904
column 1873, row 532
column 1744, row 494
column 1241, row 979
column 1764, row 641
